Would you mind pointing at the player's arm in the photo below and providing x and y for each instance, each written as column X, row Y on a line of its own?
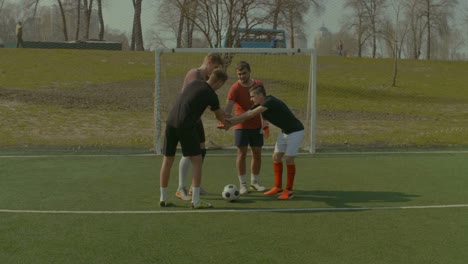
column 228, row 108
column 247, row 115
column 219, row 114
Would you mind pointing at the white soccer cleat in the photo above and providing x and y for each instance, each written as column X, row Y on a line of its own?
column 243, row 189
column 256, row 186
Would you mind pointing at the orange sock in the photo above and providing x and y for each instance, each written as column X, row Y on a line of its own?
column 278, row 169
column 291, row 168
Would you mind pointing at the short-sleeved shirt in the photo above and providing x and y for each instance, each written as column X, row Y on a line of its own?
column 191, row 104
column 280, row 115
column 240, row 95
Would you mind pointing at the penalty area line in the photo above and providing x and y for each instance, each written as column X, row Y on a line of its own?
column 258, row 210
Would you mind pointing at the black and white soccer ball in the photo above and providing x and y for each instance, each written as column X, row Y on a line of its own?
column 230, row 193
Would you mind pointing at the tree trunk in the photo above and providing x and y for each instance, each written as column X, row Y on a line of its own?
column 180, row 28
column 428, row 50
column 101, row 20
column 395, row 65
column 88, row 11
column 64, row 20
column 78, row 19
column 137, row 35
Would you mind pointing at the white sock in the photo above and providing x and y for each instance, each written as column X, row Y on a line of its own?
column 184, row 166
column 195, row 194
column 163, row 196
column 242, row 179
column 254, row 178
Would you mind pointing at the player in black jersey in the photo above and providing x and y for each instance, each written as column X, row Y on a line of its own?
column 181, row 126
column 289, row 139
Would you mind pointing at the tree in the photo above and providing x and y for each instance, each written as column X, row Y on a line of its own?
column 397, row 38
column 359, row 23
column 290, row 14
column 101, row 20
column 137, row 33
column 88, row 9
column 414, row 13
column 64, row 20
column 78, row 20
column 436, row 13
column 374, row 11
column 219, row 19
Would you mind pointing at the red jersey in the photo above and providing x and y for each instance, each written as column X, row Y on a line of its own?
column 240, row 95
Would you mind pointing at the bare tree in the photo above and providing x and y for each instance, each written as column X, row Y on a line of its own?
column 88, row 8
column 78, row 20
column 219, row 19
column 414, row 13
column 374, row 11
column 360, row 23
column 101, row 20
column 398, row 37
column 137, row 33
column 436, row 13
column 64, row 20
column 290, row 14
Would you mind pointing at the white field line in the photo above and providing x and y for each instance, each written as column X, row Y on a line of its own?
column 260, row 210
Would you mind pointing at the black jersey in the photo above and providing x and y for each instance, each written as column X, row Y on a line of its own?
column 191, row 104
column 280, row 115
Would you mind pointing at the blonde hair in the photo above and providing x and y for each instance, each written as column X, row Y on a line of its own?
column 214, row 58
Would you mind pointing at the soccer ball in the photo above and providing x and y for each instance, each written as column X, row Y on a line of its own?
column 230, row 193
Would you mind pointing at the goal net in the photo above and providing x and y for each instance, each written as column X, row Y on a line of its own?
column 288, row 74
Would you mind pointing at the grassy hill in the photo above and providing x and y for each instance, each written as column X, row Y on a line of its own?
column 104, row 99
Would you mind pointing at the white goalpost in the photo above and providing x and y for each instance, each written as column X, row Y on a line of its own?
column 289, row 74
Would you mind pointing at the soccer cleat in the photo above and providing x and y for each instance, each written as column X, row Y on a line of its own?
column 201, row 205
column 243, row 189
column 273, row 191
column 286, row 195
column 202, row 192
column 256, row 186
column 165, row 204
column 183, row 194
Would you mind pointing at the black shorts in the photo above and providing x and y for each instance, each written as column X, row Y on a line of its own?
column 201, row 131
column 248, row 137
column 188, row 138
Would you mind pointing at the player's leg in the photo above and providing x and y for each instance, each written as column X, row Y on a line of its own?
column 278, row 153
column 169, row 149
column 292, row 149
column 241, row 141
column 256, row 143
column 184, row 166
column 191, row 148
column 201, row 134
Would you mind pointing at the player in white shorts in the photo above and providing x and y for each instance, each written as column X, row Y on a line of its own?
column 289, row 139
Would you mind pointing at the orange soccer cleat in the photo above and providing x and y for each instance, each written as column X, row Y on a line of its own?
column 273, row 191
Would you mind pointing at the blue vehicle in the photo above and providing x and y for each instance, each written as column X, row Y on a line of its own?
column 260, row 38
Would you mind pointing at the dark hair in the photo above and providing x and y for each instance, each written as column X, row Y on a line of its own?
column 243, row 65
column 219, row 75
column 258, row 89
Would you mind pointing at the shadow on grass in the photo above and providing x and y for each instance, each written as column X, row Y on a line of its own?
column 343, row 199
column 308, row 201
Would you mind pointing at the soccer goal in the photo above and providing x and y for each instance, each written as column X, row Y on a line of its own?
column 289, row 74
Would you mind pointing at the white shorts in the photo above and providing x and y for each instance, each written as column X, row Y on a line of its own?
column 289, row 144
